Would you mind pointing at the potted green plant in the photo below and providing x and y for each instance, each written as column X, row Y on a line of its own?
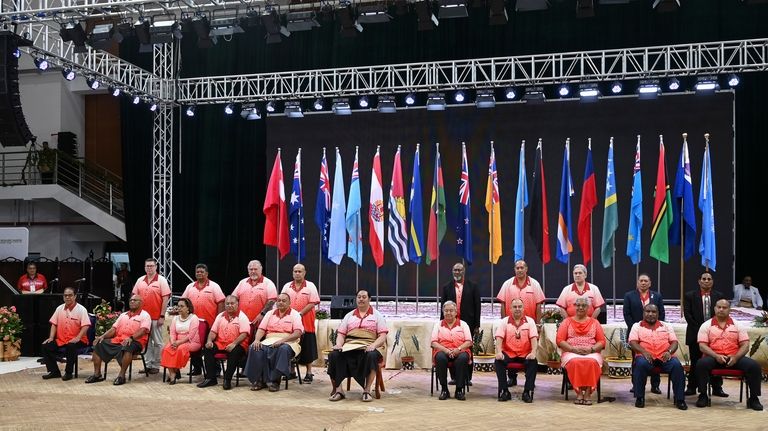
column 321, row 314
column 619, row 364
column 553, row 362
column 754, row 348
column 551, row 315
column 332, row 334
column 482, row 357
column 405, row 357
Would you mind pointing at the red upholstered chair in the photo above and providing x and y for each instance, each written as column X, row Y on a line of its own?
column 201, row 330
column 566, row 385
column 141, row 355
column 222, row 360
column 728, row 373
column 657, row 371
column 433, row 385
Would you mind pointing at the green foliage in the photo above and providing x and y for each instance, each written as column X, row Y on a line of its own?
column 10, row 324
column 620, row 346
column 105, row 317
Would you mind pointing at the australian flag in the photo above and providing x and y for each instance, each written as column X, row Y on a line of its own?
column 323, row 206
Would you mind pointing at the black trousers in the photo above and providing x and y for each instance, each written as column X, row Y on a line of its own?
column 695, row 354
column 531, row 366
column 234, row 359
column 51, row 351
column 748, row 365
column 459, row 370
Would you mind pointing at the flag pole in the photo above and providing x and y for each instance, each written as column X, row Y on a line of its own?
column 437, row 261
column 417, row 287
column 613, row 276
column 277, row 253
column 490, row 250
column 320, row 270
column 591, row 256
column 337, row 280
column 377, row 287
column 682, row 243
column 397, row 288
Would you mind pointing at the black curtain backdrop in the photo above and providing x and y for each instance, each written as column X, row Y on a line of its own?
column 214, row 147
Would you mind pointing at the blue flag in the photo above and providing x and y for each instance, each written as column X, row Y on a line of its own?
column 354, row 228
column 564, row 230
column 323, row 206
column 337, row 242
column 296, row 213
column 520, row 203
column 635, row 211
column 683, row 194
column 416, row 238
column 707, row 207
column 464, row 221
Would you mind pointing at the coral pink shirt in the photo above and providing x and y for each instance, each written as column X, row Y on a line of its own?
column 227, row 329
column 571, row 293
column 655, row 338
column 451, row 336
column 128, row 323
column 530, row 293
column 517, row 340
column 152, row 293
column 253, row 295
column 191, row 329
column 301, row 295
column 68, row 322
column 206, row 300
column 287, row 323
column 723, row 341
column 372, row 321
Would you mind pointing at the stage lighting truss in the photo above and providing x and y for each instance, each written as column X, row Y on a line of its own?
column 387, row 104
column 373, row 14
column 436, row 102
column 485, row 98
column 250, row 112
column 341, row 106
column 453, row 9
column 301, row 21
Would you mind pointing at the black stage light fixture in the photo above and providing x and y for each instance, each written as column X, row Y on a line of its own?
column 373, row 14
column 426, row 19
column 485, row 98
column 733, row 80
column 497, row 12
column 452, row 9
column 250, row 112
column 200, row 25
column 271, row 106
column 73, row 32
column 585, row 8
column 93, row 83
column 616, row 87
column 318, row 105
column 673, row 84
column 114, row 90
column 346, row 18
column 225, row 26
column 666, row 5
column 68, row 74
column 436, row 102
column 534, row 95
column 163, row 29
column 363, row 101
column 510, row 93
column 706, row 85
column 152, row 105
column 271, row 21
column 190, row 111
column 589, row 92
column 136, row 99
column 42, row 63
column 387, row 105
column 301, row 21
column 410, row 99
column 229, row 109
column 293, row 109
column 104, row 35
column 341, row 106
column 401, row 7
column 649, row 89
column 141, row 28
column 527, row 5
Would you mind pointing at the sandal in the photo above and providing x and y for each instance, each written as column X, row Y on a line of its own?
column 586, row 402
column 95, row 378
column 308, row 378
column 337, row 396
column 258, row 386
column 119, row 380
column 579, row 402
column 367, row 398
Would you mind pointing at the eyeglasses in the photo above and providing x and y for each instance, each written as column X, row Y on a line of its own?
column 134, row 300
column 69, row 295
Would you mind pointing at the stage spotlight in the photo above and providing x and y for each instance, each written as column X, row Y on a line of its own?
column 410, row 99
column 17, row 52
column 616, row 87
column 425, row 18
column 563, row 90
column 152, row 105
column 114, row 90
column 666, row 5
column 588, row 92
column 301, row 21
column 163, row 29
column 41, row 63
column 453, row 9
column 341, row 107
column 318, row 105
column 229, row 109
column 459, row 96
column 526, row 5
column 706, row 85
column 141, row 29
column 271, row 21
column 270, row 106
column 200, row 25
column 497, row 12
column 373, row 14
column 68, row 74
column 345, row 17
column 485, row 99
column 363, row 101
column 649, row 89
column 136, row 100
column 436, row 102
column 93, row 83
column 673, row 84
column 190, row 111
column 387, row 105
column 73, row 32
column 103, row 35
column 510, row 93
column 585, row 8
column 534, row 95
column 733, row 80
column 250, row 112
column 224, row 26
column 293, row 110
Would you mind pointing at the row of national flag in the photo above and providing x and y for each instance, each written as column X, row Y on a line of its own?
column 338, row 215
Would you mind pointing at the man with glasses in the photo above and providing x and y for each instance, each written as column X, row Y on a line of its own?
column 699, row 307
column 155, row 294
column 69, row 325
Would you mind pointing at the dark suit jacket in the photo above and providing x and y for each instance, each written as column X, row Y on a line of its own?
column 470, row 302
column 693, row 309
column 633, row 306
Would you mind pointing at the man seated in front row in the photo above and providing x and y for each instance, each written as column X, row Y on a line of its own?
column 270, row 358
column 725, row 345
column 126, row 338
column 654, row 342
column 69, row 325
column 516, row 341
column 229, row 335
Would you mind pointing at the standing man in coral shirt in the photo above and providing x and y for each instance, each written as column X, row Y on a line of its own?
column 257, row 294
column 304, row 298
column 69, row 325
column 208, row 301
column 155, row 294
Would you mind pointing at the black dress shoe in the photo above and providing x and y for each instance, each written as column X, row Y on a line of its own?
column 66, row 377
column 444, row 395
column 451, row 382
column 640, row 402
column 754, row 404
column 227, row 385
column 690, row 391
column 703, row 401
column 460, row 396
column 527, row 397
column 207, row 383
column 512, row 381
column 51, row 376
column 655, row 390
column 505, row 396
column 469, row 382
column 719, row 393
column 681, row 405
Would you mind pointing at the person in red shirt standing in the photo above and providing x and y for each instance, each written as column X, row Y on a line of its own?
column 208, row 301
column 155, row 294
column 725, row 345
column 32, row 281
column 229, row 335
column 304, row 298
column 69, row 325
column 125, row 339
column 517, row 340
column 256, row 293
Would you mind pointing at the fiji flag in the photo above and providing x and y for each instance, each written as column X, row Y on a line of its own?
column 707, row 207
column 415, row 249
column 296, row 213
column 564, row 230
column 337, row 239
column 323, row 206
column 464, row 221
column 683, row 195
column 354, row 227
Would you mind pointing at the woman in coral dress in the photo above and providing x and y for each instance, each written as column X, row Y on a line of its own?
column 185, row 338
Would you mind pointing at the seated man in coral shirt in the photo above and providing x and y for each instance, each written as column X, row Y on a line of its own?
column 229, row 335
column 126, row 338
column 516, row 341
column 69, row 325
column 276, row 342
column 725, row 345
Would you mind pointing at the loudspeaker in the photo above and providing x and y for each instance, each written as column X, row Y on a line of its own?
column 13, row 126
column 341, row 305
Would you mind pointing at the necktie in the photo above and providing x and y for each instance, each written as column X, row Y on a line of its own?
column 705, row 301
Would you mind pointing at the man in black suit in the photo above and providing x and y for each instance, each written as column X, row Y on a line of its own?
column 698, row 307
column 467, row 295
column 634, row 304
